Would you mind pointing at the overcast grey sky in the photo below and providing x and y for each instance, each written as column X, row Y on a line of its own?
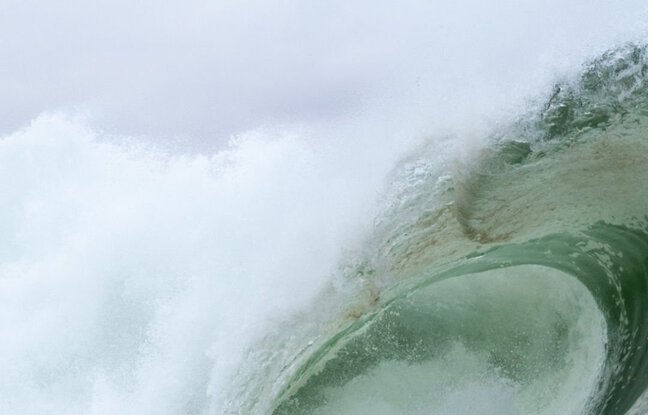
column 202, row 70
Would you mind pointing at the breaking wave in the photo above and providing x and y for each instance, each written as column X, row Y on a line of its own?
column 512, row 281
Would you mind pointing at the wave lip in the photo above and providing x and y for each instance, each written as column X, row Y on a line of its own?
column 527, row 335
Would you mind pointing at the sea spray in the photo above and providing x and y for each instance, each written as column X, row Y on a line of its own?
column 135, row 281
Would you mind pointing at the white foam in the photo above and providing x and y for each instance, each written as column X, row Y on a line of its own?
column 133, row 281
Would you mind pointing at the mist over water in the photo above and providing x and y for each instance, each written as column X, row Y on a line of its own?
column 194, row 199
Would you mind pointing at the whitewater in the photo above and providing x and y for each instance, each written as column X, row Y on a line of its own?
column 474, row 241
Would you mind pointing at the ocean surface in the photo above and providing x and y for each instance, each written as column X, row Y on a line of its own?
column 510, row 277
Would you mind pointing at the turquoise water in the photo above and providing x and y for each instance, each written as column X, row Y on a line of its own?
column 514, row 284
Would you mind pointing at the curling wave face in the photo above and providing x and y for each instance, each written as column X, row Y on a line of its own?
column 516, row 284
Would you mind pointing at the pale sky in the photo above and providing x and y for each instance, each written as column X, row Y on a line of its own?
column 203, row 70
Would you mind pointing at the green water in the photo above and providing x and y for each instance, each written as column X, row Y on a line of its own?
column 518, row 284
